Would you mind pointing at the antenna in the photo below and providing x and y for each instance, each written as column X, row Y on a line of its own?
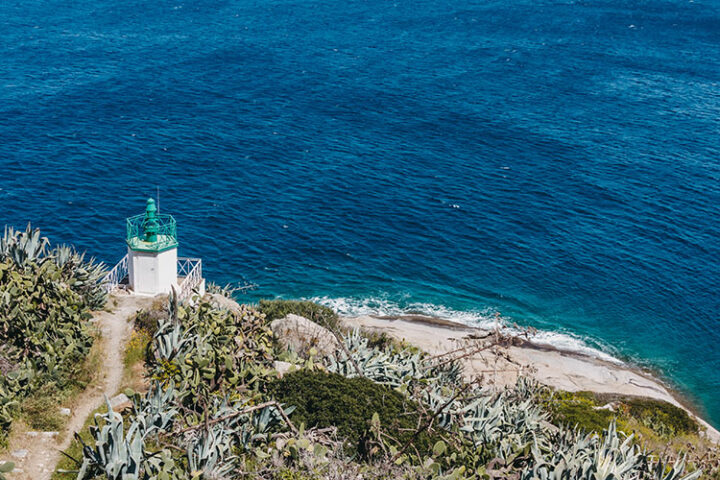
column 158, row 197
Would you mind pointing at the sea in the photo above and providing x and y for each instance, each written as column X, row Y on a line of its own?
column 555, row 163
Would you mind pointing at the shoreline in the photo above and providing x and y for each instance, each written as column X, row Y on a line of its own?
column 549, row 364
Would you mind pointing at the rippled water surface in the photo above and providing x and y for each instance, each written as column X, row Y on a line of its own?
column 556, row 161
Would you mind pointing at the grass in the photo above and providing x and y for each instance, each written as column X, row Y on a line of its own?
column 75, row 449
column 41, row 411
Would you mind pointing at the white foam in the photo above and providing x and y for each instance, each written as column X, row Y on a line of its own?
column 484, row 319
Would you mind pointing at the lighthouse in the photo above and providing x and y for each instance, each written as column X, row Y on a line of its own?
column 152, row 252
column 151, row 266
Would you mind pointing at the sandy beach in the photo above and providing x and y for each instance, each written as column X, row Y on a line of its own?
column 556, row 368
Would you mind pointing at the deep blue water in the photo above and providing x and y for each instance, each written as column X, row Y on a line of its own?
column 555, row 161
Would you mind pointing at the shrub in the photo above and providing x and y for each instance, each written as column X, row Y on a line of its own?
column 328, row 399
column 577, row 409
column 320, row 314
column 582, row 409
column 147, row 320
column 661, row 417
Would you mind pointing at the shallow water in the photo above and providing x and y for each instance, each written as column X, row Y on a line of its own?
column 556, row 161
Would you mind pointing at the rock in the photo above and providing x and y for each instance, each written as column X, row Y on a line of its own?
column 300, row 334
column 118, row 400
column 20, row 453
column 282, row 367
column 32, row 434
column 49, row 434
column 612, row 406
column 223, row 302
column 65, row 412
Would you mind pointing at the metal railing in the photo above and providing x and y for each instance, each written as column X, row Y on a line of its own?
column 188, row 269
column 115, row 277
column 166, row 233
column 191, row 270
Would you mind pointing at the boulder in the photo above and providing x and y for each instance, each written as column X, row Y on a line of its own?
column 282, row 367
column 119, row 400
column 222, row 301
column 300, row 334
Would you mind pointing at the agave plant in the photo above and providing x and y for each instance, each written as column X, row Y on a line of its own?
column 23, row 247
column 155, row 411
column 87, row 275
column 208, row 453
column 117, row 454
column 573, row 454
column 395, row 369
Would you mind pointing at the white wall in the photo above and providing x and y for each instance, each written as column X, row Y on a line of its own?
column 152, row 273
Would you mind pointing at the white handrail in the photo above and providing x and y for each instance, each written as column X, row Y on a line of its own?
column 192, row 269
column 112, row 280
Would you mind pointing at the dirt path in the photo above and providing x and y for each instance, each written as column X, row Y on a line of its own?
column 39, row 452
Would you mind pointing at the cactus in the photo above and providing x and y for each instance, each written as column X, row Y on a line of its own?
column 45, row 300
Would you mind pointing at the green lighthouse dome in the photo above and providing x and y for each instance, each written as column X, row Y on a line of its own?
column 151, row 231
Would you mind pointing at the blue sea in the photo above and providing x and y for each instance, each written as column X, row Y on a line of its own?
column 557, row 162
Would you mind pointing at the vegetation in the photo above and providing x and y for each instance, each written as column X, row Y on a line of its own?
column 578, row 410
column 595, row 412
column 663, row 418
column 348, row 404
column 216, row 408
column 70, row 457
column 46, row 296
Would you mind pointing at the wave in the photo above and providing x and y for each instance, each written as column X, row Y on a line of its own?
column 485, row 319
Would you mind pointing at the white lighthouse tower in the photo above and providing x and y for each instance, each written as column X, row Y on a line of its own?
column 152, row 252
column 151, row 266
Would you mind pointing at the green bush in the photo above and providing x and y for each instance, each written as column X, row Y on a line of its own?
column 582, row 409
column 661, row 417
column 577, row 409
column 328, row 399
column 46, row 298
column 147, row 320
column 320, row 314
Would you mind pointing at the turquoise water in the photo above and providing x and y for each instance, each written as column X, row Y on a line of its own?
column 554, row 161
